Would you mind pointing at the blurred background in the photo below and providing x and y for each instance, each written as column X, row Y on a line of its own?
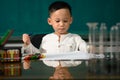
column 97, row 21
column 30, row 16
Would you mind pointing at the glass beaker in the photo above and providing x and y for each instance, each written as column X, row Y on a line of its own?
column 93, row 30
column 114, row 39
column 102, row 38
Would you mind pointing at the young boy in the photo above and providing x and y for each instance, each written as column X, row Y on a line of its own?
column 60, row 18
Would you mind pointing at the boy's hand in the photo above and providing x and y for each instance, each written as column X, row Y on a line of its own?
column 26, row 64
column 26, row 39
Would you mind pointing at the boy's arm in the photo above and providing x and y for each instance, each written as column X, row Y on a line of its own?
column 27, row 47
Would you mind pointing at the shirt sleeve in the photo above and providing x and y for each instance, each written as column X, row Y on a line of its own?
column 81, row 44
column 30, row 49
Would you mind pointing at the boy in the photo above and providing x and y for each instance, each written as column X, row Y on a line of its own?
column 60, row 18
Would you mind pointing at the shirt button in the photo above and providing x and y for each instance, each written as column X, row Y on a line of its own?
column 58, row 46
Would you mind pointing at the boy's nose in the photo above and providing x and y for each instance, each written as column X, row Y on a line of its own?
column 61, row 23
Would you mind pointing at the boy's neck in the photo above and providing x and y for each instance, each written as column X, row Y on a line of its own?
column 61, row 34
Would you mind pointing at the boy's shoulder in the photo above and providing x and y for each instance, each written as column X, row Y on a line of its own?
column 74, row 35
column 48, row 35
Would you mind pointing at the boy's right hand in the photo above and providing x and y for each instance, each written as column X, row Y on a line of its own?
column 26, row 39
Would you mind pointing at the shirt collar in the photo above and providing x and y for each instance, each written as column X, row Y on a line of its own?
column 62, row 37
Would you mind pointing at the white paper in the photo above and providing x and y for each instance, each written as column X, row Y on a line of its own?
column 76, row 55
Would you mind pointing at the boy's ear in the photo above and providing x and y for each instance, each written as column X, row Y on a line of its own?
column 49, row 21
column 71, row 20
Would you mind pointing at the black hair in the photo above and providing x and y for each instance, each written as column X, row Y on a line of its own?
column 59, row 5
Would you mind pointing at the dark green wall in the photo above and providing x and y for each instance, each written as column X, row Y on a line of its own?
column 30, row 16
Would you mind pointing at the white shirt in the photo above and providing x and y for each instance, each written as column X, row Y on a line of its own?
column 68, row 43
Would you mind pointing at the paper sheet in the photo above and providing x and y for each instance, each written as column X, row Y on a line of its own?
column 76, row 55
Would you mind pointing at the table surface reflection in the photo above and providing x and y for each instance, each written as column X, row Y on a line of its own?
column 91, row 69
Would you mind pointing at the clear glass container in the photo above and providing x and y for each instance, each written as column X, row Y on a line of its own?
column 103, row 38
column 92, row 36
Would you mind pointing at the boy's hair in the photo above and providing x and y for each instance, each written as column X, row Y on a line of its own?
column 59, row 5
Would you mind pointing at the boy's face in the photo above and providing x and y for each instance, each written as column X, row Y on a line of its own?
column 60, row 20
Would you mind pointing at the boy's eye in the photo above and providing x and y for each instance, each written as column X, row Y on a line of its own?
column 57, row 21
column 65, row 21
